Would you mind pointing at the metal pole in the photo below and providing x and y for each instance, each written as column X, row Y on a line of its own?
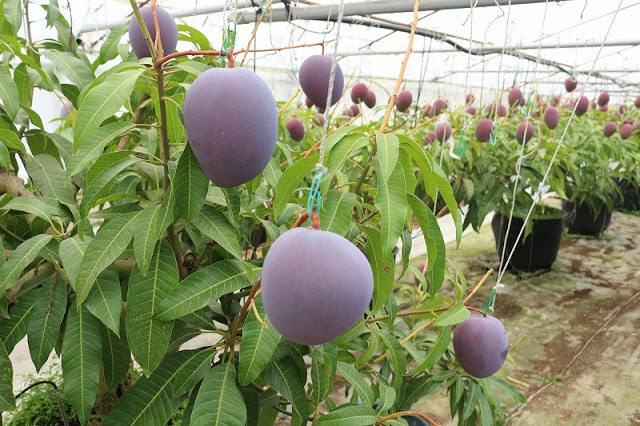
column 490, row 50
column 199, row 9
column 325, row 12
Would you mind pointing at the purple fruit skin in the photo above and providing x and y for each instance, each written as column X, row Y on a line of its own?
column 525, row 128
column 502, row 110
column 514, row 96
column 404, row 99
column 168, row 32
column 603, row 99
column 315, row 73
column 427, row 111
column 583, row 105
column 359, row 92
column 604, row 108
column 471, row 110
column 628, row 120
column 617, row 114
column 443, row 131
column 594, row 105
column 353, row 110
column 551, row 117
column 610, row 128
column 469, row 98
column 295, row 126
column 322, row 293
column 231, row 119
column 637, row 102
column 483, row 130
column 481, row 345
column 64, row 110
column 555, row 100
column 570, row 84
column 622, row 109
column 370, row 99
column 308, row 102
column 429, row 138
column 439, row 105
column 625, row 131
column 318, row 120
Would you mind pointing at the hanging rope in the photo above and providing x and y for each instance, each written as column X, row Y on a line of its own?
column 315, row 197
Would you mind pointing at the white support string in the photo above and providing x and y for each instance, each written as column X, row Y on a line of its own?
column 334, row 63
column 502, row 267
column 555, row 154
column 504, row 47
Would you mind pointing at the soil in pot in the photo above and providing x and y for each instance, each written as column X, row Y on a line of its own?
column 539, row 249
column 580, row 219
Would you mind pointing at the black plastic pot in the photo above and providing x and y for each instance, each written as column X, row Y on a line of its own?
column 630, row 196
column 539, row 249
column 581, row 220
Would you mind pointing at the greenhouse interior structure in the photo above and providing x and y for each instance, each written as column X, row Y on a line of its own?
column 327, row 212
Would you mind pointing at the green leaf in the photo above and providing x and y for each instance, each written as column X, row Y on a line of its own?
column 5, row 159
column 215, row 225
column 415, row 390
column 290, row 180
column 116, row 356
column 436, row 249
column 193, row 67
column 436, row 351
column 21, row 257
column 13, row 329
column 102, row 101
column 108, row 49
column 272, row 172
column 76, row 70
column 397, row 358
column 71, row 252
column 219, row 401
column 101, row 174
column 43, row 207
column 94, row 146
column 336, row 211
column 361, row 387
column 387, row 397
column 446, row 192
column 486, row 416
column 193, row 370
column 388, row 151
column 205, row 286
column 149, row 228
column 49, row 177
column 259, row 343
column 391, row 200
column 13, row 13
column 339, row 154
column 112, row 239
column 7, row 402
column 81, row 357
column 151, row 400
column 175, row 129
column 470, row 400
column 148, row 336
column 422, row 159
column 44, row 325
column 324, row 364
column 283, row 376
column 454, row 315
column 105, row 299
column 10, row 139
column 190, row 185
column 382, row 265
column 350, row 415
column 506, row 388
column 8, row 90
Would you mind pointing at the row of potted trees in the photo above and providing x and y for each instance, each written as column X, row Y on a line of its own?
column 592, row 173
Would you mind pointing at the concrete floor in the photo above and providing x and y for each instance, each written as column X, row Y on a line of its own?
column 581, row 321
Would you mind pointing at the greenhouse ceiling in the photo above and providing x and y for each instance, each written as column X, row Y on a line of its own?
column 527, row 42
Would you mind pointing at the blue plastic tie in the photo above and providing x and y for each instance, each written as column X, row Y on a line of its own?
column 315, row 198
column 228, row 41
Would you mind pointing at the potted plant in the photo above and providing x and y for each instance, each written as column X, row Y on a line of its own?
column 592, row 167
column 494, row 173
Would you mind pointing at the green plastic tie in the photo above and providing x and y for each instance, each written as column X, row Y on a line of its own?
column 492, row 298
column 462, row 145
column 315, row 197
column 493, row 137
